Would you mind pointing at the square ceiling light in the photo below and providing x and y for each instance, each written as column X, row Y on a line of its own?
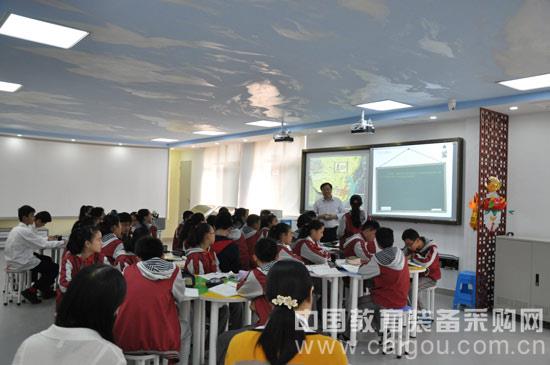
column 33, row 30
column 9, row 87
column 265, row 123
column 166, row 140
column 209, row 133
column 528, row 83
column 384, row 105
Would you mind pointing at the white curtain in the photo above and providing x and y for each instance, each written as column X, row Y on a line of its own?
column 260, row 175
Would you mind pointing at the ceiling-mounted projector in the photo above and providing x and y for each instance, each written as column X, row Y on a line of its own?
column 363, row 126
column 283, row 135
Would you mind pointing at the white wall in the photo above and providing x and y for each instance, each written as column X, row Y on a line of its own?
column 529, row 175
column 455, row 240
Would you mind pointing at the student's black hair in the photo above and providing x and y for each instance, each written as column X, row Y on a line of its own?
column 306, row 230
column 211, row 219
column 326, row 184
column 267, row 219
column 141, row 214
column 133, row 214
column 371, row 224
column 410, row 234
column 125, row 217
column 223, row 210
column 280, row 339
column 24, row 211
column 223, row 221
column 44, row 217
column 109, row 221
column 278, row 230
column 265, row 212
column 189, row 225
column 303, row 220
column 252, row 219
column 266, row 250
column 79, row 236
column 84, row 212
column 384, row 237
column 186, row 215
column 239, row 217
column 355, row 203
column 92, row 299
column 148, row 247
column 130, row 244
column 198, row 233
column 97, row 212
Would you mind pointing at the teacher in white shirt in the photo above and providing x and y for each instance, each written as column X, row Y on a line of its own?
column 329, row 210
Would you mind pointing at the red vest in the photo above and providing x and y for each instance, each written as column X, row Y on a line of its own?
column 75, row 264
column 251, row 246
column 124, row 260
column 148, row 319
column 391, row 287
column 244, row 256
column 207, row 258
column 349, row 231
column 349, row 248
column 109, row 249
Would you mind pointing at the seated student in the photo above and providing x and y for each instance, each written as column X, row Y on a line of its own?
column 267, row 221
column 211, row 219
column 252, row 286
column 175, row 241
column 226, row 248
column 363, row 244
column 250, row 232
column 83, row 249
column 245, row 258
column 145, row 222
column 127, row 256
column 308, row 246
column 41, row 219
column 389, row 272
column 201, row 259
column 111, row 231
column 289, row 288
column 83, row 216
column 97, row 214
column 282, row 234
column 423, row 253
column 19, row 251
column 303, row 220
column 351, row 222
column 83, row 329
column 185, row 231
column 125, row 226
column 147, row 321
column 239, row 217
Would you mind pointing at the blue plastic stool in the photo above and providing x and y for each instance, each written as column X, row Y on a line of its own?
column 465, row 291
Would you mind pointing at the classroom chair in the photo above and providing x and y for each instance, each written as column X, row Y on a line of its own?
column 14, row 283
column 396, row 326
column 145, row 359
column 465, row 291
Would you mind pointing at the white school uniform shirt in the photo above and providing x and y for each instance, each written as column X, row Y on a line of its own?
column 21, row 244
column 68, row 346
column 330, row 206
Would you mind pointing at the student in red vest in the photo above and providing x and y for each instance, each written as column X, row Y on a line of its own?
column 145, row 223
column 282, row 234
column 83, row 249
column 389, row 272
column 125, row 226
column 267, row 221
column 176, row 241
column 111, row 231
column 422, row 252
column 351, row 222
column 226, row 248
column 308, row 246
column 201, row 259
column 363, row 244
column 148, row 321
column 245, row 258
column 239, row 217
column 127, row 256
column 185, row 232
column 251, row 234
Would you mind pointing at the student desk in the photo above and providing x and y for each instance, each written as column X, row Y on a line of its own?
column 199, row 321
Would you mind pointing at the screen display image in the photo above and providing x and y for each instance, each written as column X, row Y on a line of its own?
column 347, row 171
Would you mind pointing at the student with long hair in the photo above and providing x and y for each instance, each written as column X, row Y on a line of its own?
column 175, row 241
column 83, row 329
column 83, row 216
column 351, row 222
column 127, row 256
column 308, row 246
column 145, row 222
column 97, row 214
column 267, row 221
column 239, row 218
column 111, row 233
column 282, row 234
column 147, row 320
column 186, row 229
column 201, row 259
column 83, row 249
column 289, row 288
column 301, row 223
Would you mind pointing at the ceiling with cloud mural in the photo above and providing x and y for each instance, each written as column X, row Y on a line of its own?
column 166, row 68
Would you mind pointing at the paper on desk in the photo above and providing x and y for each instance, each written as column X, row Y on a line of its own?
column 215, row 275
column 191, row 293
column 340, row 262
column 323, row 269
column 225, row 290
column 351, row 268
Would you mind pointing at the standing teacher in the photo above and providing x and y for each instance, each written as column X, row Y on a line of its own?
column 329, row 210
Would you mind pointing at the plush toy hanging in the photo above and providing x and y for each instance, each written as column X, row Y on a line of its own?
column 491, row 206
